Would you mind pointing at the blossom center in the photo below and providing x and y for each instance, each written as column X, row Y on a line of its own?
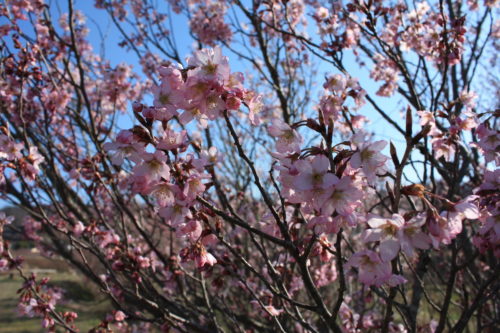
column 390, row 229
column 164, row 99
column 210, row 68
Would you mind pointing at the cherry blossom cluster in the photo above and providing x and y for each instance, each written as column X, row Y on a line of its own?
column 332, row 199
column 356, row 321
column 11, row 156
column 332, row 21
column 489, row 141
column 38, row 299
column 4, row 220
column 433, row 36
column 208, row 22
column 488, row 235
column 337, row 89
column 445, row 143
column 385, row 70
column 228, row 191
column 291, row 13
column 203, row 91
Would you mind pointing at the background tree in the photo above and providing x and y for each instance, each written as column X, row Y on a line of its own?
column 259, row 201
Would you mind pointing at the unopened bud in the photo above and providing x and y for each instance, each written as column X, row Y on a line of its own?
column 416, row 190
column 137, row 107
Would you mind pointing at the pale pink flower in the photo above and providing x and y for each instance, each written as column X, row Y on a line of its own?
column 4, row 263
column 78, row 229
column 104, row 238
column 411, row 236
column 489, row 143
column 164, row 193
column 210, row 156
column 31, row 165
column 468, row 207
column 193, row 186
column 255, row 106
column 395, row 234
column 491, row 180
column 235, row 85
column 4, row 219
column 205, row 258
column 124, row 146
column 326, row 273
column 233, row 102
column 140, row 184
column 174, row 215
column 172, row 140
column 288, row 138
column 323, row 223
column 8, row 149
column 464, row 209
column 466, row 124
column 192, row 230
column 427, row 118
column 368, row 156
column 192, row 111
column 445, row 227
column 314, row 174
column 210, row 64
column 443, row 148
column 468, row 99
column 166, row 101
column 385, row 69
column 171, row 75
column 207, row 21
column 153, row 166
column 343, row 197
column 321, row 13
column 212, row 105
column 119, row 316
column 386, row 231
column 488, row 236
column 196, row 90
column 331, row 105
column 336, row 83
column 371, row 269
column 272, row 310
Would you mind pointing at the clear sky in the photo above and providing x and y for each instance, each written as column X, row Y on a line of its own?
column 104, row 37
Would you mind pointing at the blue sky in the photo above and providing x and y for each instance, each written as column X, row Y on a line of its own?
column 101, row 26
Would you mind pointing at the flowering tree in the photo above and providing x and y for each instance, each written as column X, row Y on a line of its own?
column 244, row 202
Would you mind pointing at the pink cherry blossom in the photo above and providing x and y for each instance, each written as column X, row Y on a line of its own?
column 164, row 193
column 385, row 230
column 314, row 174
column 78, row 229
column 210, row 64
column 124, row 146
column 9, row 149
column 166, row 102
column 31, row 164
column 288, row 139
column 153, row 166
column 412, row 237
column 343, row 197
column 205, row 258
column 371, row 269
column 119, row 316
column 172, row 140
column 368, row 156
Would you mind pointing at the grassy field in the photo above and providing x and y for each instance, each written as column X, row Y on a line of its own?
column 89, row 305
